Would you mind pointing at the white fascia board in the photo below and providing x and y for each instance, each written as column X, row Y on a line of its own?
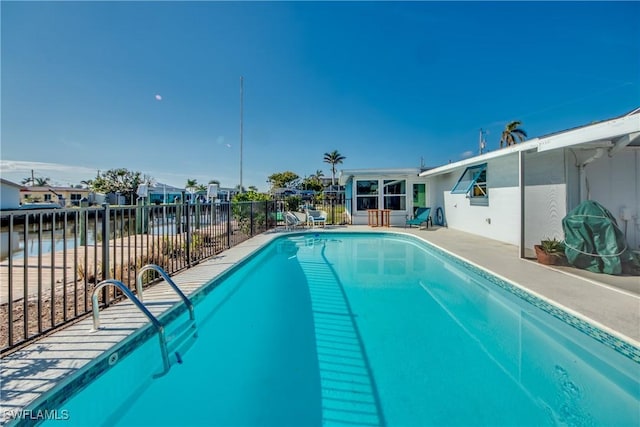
column 10, row 183
column 346, row 174
column 513, row 149
column 604, row 131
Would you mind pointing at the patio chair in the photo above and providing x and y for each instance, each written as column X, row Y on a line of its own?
column 302, row 217
column 291, row 221
column 422, row 215
column 316, row 217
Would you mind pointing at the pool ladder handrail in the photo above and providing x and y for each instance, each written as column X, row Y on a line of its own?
column 170, row 282
column 154, row 321
column 138, row 302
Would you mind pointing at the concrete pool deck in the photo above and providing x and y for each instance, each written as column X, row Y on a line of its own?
column 610, row 303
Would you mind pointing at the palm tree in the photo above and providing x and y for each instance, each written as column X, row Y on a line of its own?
column 333, row 159
column 36, row 181
column 41, row 182
column 512, row 132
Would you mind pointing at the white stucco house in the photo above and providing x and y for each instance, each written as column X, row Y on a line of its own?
column 401, row 191
column 9, row 195
column 9, row 200
column 520, row 194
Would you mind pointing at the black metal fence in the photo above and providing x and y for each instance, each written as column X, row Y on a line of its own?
column 52, row 259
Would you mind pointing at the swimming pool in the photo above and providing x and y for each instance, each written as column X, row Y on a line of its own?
column 370, row 329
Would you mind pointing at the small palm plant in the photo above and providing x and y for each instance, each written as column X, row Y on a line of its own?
column 550, row 251
column 552, row 246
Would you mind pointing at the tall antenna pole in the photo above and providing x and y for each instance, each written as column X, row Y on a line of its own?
column 481, row 143
column 241, row 114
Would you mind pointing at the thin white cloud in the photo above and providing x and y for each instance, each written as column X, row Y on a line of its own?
column 24, row 166
column 467, row 154
column 63, row 175
column 59, row 174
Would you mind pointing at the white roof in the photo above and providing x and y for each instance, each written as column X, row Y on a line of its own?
column 601, row 134
column 10, row 183
column 345, row 174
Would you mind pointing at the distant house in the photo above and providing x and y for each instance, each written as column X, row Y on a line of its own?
column 225, row 194
column 285, row 192
column 9, row 195
column 399, row 190
column 164, row 193
column 520, row 194
column 64, row 196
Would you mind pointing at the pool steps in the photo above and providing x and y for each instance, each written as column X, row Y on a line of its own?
column 182, row 337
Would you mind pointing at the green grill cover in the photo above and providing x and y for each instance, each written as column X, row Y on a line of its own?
column 594, row 242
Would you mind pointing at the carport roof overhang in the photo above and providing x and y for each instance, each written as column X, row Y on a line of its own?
column 613, row 134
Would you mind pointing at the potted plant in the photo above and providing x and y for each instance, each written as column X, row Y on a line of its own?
column 550, row 252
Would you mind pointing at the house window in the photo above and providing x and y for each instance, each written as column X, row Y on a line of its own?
column 366, row 195
column 395, row 195
column 47, row 197
column 75, row 199
column 473, row 182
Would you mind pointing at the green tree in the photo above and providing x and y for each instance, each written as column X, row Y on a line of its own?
column 334, row 158
column 36, row 181
column 286, row 179
column 312, row 183
column 511, row 133
column 244, row 212
column 250, row 196
column 120, row 180
column 42, row 182
column 253, row 188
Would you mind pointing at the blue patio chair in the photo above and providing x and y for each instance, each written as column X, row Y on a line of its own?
column 422, row 215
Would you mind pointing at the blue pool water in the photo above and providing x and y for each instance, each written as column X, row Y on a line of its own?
column 368, row 329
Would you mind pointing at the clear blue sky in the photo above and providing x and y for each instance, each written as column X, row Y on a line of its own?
column 384, row 83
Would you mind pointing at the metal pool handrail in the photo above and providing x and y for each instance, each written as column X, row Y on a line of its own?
column 154, row 321
column 167, row 279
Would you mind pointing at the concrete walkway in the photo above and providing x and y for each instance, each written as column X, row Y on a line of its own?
column 613, row 304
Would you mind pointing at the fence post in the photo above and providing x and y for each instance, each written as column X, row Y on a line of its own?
column 267, row 216
column 197, row 213
column 187, row 230
column 251, row 232
column 333, row 211
column 106, row 219
column 228, row 224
